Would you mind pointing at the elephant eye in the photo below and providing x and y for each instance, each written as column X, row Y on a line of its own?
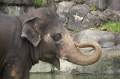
column 57, row 37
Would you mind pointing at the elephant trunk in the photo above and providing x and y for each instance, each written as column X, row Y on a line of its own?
column 79, row 58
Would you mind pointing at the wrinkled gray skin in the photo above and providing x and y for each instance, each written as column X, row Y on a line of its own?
column 37, row 35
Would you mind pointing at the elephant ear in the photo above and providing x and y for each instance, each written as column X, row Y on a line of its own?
column 31, row 32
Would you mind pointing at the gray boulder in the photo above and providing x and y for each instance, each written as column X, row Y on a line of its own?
column 112, row 15
column 14, row 10
column 108, row 64
column 114, row 4
column 79, row 1
column 63, row 9
column 104, row 38
column 26, row 2
column 101, row 4
column 100, row 15
column 77, row 15
column 118, row 39
column 91, row 2
column 90, row 21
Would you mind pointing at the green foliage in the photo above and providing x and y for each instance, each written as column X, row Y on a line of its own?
column 38, row 3
column 93, row 8
column 111, row 26
column 75, row 31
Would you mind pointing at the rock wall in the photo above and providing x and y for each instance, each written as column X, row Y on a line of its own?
column 77, row 16
column 82, row 14
column 74, row 14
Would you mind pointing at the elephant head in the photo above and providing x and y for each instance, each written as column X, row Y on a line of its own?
column 43, row 29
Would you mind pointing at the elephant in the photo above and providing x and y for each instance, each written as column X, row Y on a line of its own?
column 38, row 35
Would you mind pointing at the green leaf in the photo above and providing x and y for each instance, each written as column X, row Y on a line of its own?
column 38, row 3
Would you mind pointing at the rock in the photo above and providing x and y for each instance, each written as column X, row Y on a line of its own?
column 80, row 10
column 116, row 12
column 112, row 16
column 25, row 2
column 66, row 66
column 95, row 13
column 101, row 4
column 56, row 0
column 108, row 12
column 61, row 0
column 74, row 72
column 41, row 67
column 114, row 4
column 56, row 72
column 77, row 14
column 91, row 2
column 90, row 21
column 63, row 10
column 108, row 64
column 118, row 39
column 14, row 10
column 104, row 38
column 100, row 15
column 79, row 1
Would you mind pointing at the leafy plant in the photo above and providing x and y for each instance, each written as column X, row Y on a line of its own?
column 111, row 26
column 38, row 3
column 75, row 31
column 93, row 8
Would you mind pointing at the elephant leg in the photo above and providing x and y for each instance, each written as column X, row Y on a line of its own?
column 15, row 72
column 26, row 73
column 0, row 74
column 12, row 72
